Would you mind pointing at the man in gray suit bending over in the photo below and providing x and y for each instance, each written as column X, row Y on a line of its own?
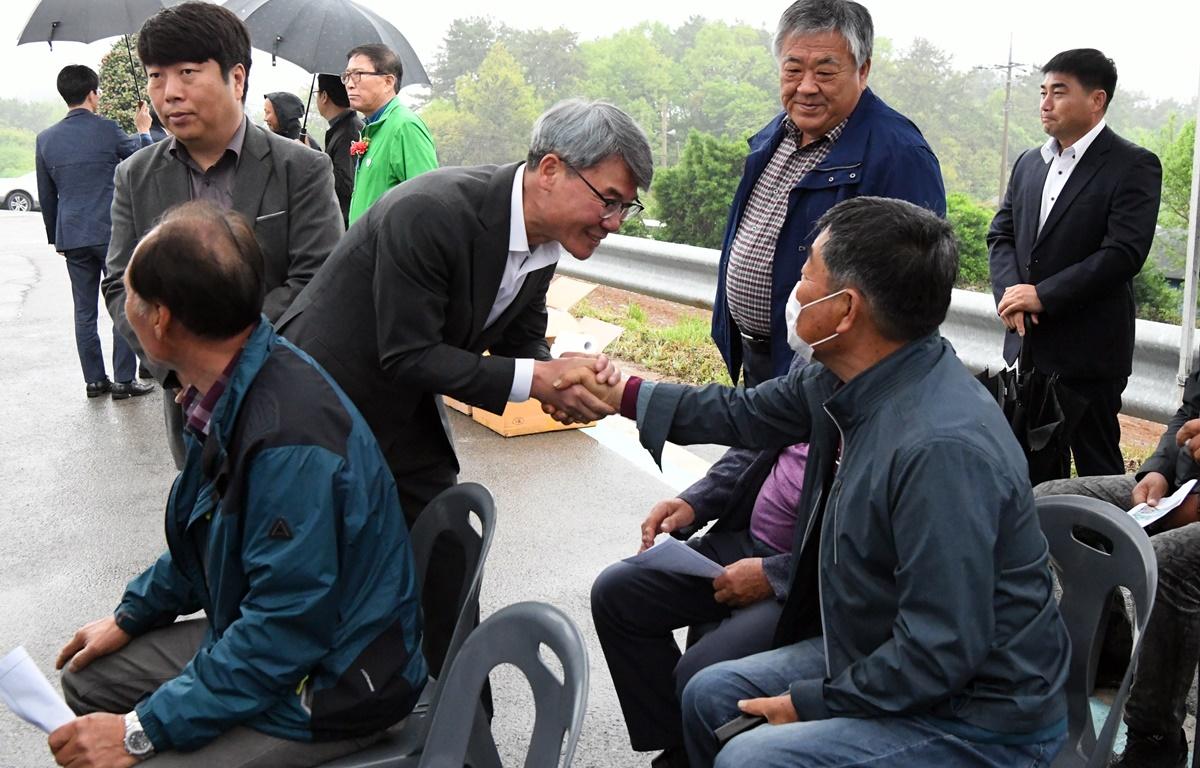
column 197, row 59
column 455, row 262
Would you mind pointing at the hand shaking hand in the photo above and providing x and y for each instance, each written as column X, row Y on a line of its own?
column 574, row 388
column 585, row 387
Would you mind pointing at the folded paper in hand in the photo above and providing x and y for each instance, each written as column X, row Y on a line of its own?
column 29, row 694
column 672, row 555
column 1143, row 514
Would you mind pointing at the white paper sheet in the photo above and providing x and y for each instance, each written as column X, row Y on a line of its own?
column 672, row 555
column 29, row 694
column 1144, row 515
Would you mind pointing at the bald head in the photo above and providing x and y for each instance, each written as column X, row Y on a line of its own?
column 204, row 265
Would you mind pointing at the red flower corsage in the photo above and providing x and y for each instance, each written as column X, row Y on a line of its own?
column 359, row 148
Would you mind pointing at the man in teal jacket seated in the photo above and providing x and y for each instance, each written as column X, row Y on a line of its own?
column 284, row 527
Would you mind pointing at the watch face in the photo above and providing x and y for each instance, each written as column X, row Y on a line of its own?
column 137, row 743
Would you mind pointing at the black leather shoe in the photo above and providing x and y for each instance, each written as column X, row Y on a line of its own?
column 97, row 388
column 671, row 757
column 125, row 389
column 1153, row 751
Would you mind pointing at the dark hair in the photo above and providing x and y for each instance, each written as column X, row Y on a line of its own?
column 203, row 264
column 75, row 82
column 289, row 109
column 1090, row 67
column 196, row 31
column 331, row 86
column 901, row 257
column 384, row 60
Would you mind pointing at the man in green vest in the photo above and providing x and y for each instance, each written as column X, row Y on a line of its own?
column 395, row 144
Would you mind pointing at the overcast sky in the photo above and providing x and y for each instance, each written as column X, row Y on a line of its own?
column 1152, row 41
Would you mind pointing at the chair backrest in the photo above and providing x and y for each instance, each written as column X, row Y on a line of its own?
column 514, row 635
column 1095, row 548
column 449, row 514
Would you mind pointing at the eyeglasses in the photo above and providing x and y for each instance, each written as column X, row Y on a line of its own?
column 612, row 206
column 356, row 76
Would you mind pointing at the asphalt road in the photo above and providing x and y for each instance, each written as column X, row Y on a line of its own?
column 83, row 484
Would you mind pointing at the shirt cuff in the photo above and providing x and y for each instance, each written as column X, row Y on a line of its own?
column 522, row 380
column 629, row 397
column 808, row 697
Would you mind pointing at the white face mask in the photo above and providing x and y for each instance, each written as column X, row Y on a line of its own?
column 792, row 316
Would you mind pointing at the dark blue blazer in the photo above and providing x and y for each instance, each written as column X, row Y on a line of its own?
column 76, row 158
column 880, row 153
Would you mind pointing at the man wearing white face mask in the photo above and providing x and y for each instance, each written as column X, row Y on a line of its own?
column 920, row 626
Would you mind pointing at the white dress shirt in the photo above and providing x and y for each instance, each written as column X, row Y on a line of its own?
column 521, row 261
column 1062, row 164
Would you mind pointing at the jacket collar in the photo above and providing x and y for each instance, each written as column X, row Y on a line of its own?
column 253, row 356
column 379, row 116
column 865, row 393
column 849, row 149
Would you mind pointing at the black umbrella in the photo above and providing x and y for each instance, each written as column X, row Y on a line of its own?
column 87, row 22
column 1042, row 411
column 316, row 34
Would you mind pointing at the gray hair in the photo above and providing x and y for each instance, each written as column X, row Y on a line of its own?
column 901, row 257
column 584, row 133
column 846, row 17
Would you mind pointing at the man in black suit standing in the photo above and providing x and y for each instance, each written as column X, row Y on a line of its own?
column 75, row 159
column 456, row 262
column 344, row 128
column 1072, row 232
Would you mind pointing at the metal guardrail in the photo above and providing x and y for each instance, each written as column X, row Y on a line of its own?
column 688, row 275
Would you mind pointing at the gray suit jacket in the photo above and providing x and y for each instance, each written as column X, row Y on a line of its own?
column 397, row 315
column 284, row 189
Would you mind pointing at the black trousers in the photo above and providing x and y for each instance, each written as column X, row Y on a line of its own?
column 636, row 610
column 756, row 361
column 1096, row 441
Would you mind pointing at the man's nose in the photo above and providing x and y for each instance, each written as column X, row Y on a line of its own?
column 612, row 223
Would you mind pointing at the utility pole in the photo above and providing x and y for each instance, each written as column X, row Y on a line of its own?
column 1008, row 77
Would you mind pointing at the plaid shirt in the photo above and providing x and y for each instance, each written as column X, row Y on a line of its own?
column 197, row 410
column 752, row 253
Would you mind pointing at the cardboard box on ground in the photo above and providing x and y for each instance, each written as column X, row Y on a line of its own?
column 565, row 333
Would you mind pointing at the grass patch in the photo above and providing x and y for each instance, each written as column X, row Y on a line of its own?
column 681, row 352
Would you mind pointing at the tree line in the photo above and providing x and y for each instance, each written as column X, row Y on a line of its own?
column 700, row 90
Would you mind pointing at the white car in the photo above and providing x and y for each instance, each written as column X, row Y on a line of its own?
column 19, row 193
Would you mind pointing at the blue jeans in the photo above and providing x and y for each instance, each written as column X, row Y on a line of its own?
column 85, row 267
column 710, row 700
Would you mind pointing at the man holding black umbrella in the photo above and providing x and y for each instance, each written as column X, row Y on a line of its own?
column 197, row 59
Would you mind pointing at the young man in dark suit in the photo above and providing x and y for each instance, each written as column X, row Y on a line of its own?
column 1073, row 231
column 75, row 159
column 197, row 59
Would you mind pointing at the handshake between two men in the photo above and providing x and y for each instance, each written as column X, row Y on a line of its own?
column 578, row 387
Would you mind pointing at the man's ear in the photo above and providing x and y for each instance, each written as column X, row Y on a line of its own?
column 238, row 77
column 161, row 319
column 547, row 171
column 854, row 313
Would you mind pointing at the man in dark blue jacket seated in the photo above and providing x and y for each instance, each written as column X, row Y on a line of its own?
column 284, row 527
column 920, row 626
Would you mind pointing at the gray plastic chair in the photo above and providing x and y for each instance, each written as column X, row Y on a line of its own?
column 449, row 513
column 515, row 635
column 1095, row 548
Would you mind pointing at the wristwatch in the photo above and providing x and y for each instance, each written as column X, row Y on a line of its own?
column 137, row 743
